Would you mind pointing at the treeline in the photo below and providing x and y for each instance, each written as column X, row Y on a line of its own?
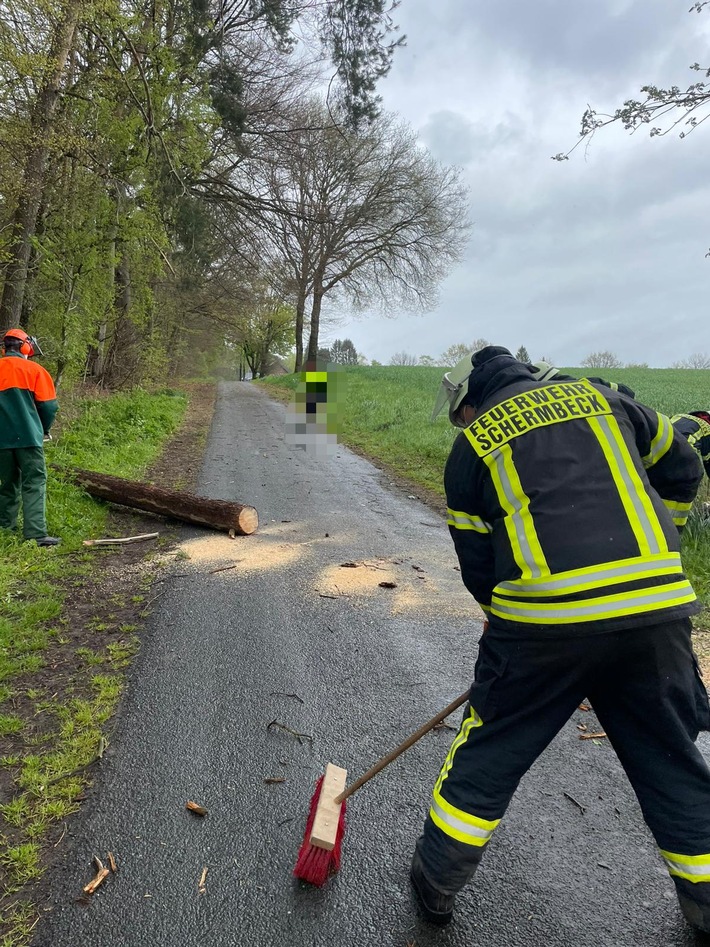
column 175, row 186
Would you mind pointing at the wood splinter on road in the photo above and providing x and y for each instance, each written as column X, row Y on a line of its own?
column 112, row 862
column 194, row 807
column 600, row 735
column 101, row 874
column 201, row 886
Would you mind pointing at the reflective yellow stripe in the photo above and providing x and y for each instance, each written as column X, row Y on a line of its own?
column 637, row 503
column 593, row 577
column 605, row 606
column 460, row 520
column 661, row 443
column 473, row 720
column 463, row 826
column 691, row 867
column 519, row 524
column 679, row 511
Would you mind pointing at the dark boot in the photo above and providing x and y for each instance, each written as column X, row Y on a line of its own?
column 435, row 907
column 47, row 541
column 697, row 915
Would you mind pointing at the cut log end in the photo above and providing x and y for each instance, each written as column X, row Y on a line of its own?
column 248, row 520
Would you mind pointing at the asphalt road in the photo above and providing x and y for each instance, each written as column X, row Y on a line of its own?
column 289, row 635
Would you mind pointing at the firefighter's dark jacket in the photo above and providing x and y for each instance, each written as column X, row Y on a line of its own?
column 697, row 432
column 565, row 505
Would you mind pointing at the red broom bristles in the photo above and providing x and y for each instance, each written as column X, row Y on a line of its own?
column 315, row 864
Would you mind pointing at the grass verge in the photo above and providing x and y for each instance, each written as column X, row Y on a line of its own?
column 57, row 689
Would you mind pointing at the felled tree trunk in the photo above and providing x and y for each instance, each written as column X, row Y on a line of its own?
column 219, row 514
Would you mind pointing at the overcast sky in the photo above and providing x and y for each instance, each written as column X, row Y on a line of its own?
column 604, row 251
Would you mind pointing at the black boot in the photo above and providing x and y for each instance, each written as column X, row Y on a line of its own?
column 435, row 907
column 697, row 915
column 48, row 541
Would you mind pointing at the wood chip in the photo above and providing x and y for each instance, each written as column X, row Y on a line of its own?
column 349, row 565
column 112, row 862
column 387, row 585
column 201, row 886
column 599, row 735
column 584, row 707
column 100, row 876
column 194, row 807
column 581, row 726
column 271, row 780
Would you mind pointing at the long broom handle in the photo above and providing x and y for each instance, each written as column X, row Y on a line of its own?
column 410, row 741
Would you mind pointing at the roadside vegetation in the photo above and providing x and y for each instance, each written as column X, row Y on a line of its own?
column 385, row 413
column 55, row 698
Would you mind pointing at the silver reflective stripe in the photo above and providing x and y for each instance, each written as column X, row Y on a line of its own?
column 595, row 607
column 661, row 442
column 464, row 828
column 598, row 575
column 639, row 509
column 679, row 516
column 467, row 521
column 701, row 870
column 502, row 482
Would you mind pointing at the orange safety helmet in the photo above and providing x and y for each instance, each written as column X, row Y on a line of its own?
column 30, row 345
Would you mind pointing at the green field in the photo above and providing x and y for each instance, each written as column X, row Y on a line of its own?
column 385, row 412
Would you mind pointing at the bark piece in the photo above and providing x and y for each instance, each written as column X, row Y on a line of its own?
column 101, row 874
column 194, row 807
column 203, row 511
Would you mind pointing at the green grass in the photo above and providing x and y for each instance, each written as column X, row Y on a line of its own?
column 386, row 411
column 120, row 435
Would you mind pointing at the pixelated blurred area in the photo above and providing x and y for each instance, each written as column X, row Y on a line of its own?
column 314, row 419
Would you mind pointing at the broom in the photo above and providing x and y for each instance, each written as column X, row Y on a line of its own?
column 320, row 850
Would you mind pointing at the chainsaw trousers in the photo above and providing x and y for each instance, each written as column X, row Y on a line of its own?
column 645, row 688
column 23, row 473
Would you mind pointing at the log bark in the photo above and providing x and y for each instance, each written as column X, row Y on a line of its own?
column 219, row 514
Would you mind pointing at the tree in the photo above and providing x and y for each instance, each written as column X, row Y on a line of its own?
column 661, row 110
column 522, row 355
column 695, row 360
column 460, row 350
column 403, row 358
column 601, row 360
column 427, row 360
column 343, row 352
column 370, row 216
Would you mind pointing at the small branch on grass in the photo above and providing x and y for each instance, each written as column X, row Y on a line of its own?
column 294, row 733
column 120, row 542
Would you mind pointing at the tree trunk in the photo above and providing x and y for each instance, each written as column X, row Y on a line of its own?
column 300, row 310
column 25, row 217
column 219, row 514
column 315, row 322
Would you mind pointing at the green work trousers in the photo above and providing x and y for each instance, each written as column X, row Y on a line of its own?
column 23, row 472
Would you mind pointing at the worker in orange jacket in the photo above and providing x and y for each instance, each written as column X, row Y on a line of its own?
column 28, row 405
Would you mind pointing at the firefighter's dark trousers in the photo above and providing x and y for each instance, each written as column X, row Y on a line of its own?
column 23, row 472
column 646, row 691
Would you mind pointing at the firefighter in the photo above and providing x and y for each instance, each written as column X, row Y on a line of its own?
column 28, row 405
column 695, row 426
column 565, row 502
